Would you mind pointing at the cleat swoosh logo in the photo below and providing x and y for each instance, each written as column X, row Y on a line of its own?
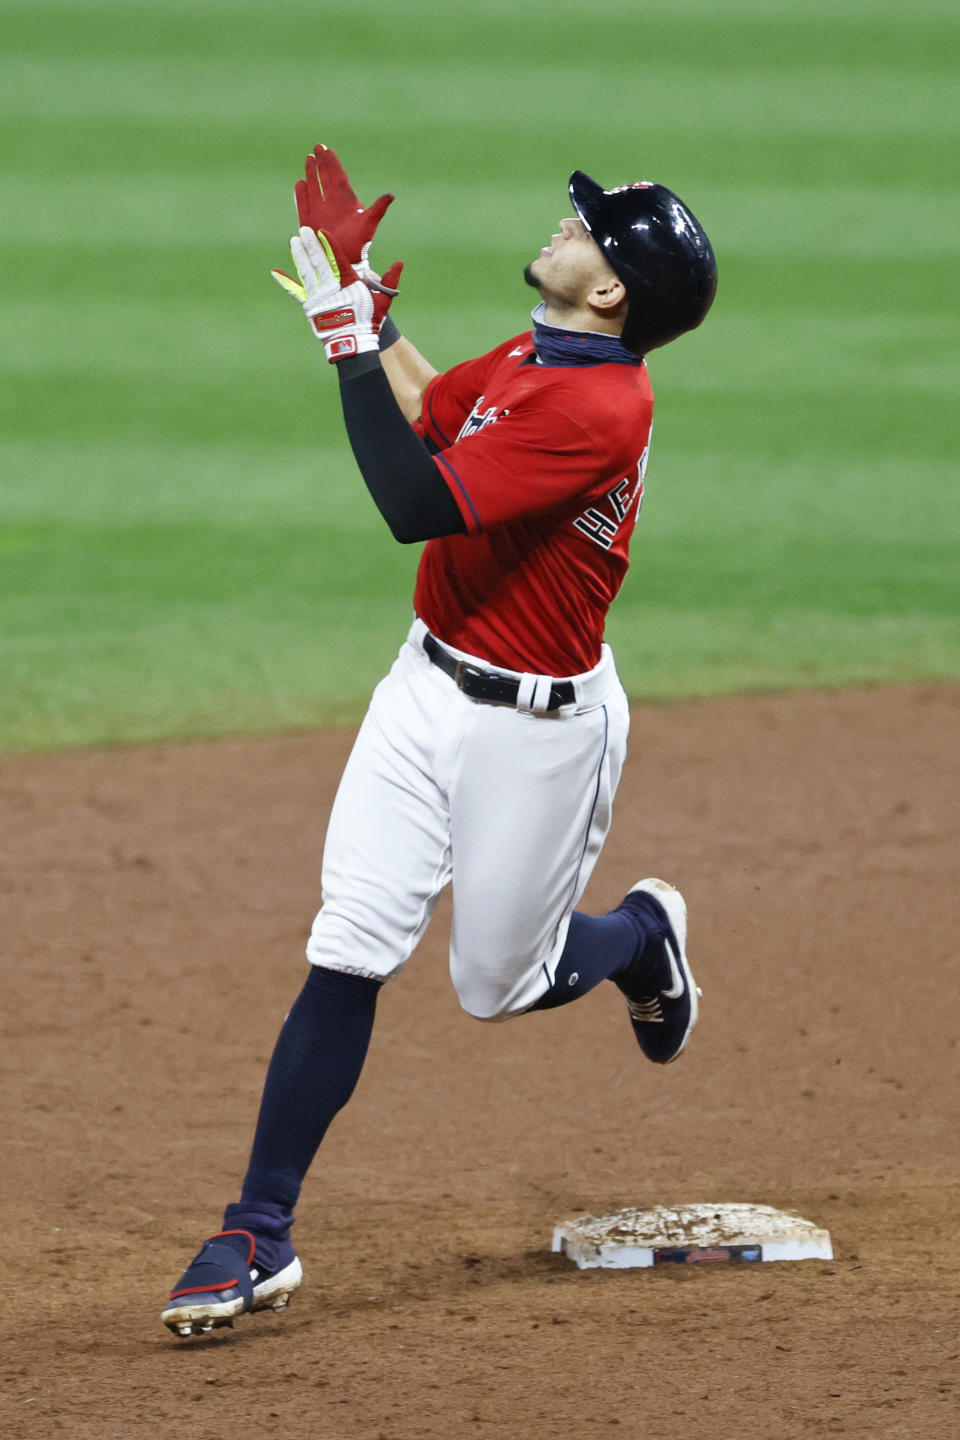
column 678, row 986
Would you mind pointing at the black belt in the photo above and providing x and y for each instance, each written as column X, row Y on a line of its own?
column 488, row 685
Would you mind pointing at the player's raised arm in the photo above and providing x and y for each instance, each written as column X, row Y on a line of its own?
column 406, row 369
column 346, row 315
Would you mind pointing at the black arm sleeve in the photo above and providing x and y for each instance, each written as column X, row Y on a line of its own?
column 406, row 486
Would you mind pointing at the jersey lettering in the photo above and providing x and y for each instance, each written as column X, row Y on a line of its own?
column 479, row 419
column 601, row 522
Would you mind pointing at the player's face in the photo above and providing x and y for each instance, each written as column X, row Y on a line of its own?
column 569, row 267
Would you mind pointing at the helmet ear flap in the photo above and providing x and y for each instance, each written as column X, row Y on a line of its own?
column 659, row 250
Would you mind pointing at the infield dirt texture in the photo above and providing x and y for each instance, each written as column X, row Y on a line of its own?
column 157, row 902
column 186, row 550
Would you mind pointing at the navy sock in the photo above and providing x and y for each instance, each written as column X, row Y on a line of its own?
column 597, row 947
column 270, row 1227
column 315, row 1066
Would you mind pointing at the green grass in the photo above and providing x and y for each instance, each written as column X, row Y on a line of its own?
column 185, row 546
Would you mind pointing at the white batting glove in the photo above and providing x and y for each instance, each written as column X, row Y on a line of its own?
column 335, row 300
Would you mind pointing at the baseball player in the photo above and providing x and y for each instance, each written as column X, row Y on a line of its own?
column 491, row 752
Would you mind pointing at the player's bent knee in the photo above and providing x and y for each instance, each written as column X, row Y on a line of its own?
column 478, row 1011
column 492, row 1000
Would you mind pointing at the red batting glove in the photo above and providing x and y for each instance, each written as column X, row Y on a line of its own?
column 326, row 201
column 383, row 294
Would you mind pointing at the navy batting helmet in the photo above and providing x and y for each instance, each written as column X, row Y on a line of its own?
column 660, row 252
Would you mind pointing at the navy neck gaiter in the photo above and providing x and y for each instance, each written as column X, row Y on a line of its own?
column 555, row 346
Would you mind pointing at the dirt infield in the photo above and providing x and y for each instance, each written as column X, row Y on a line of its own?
column 155, row 906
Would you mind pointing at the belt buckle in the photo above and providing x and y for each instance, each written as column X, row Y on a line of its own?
column 464, row 670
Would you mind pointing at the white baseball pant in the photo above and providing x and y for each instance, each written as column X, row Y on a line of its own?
column 512, row 804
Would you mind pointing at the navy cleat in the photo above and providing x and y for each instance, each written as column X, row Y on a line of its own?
column 223, row 1280
column 660, row 990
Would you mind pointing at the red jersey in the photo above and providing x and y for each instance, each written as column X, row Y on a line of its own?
column 546, row 464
